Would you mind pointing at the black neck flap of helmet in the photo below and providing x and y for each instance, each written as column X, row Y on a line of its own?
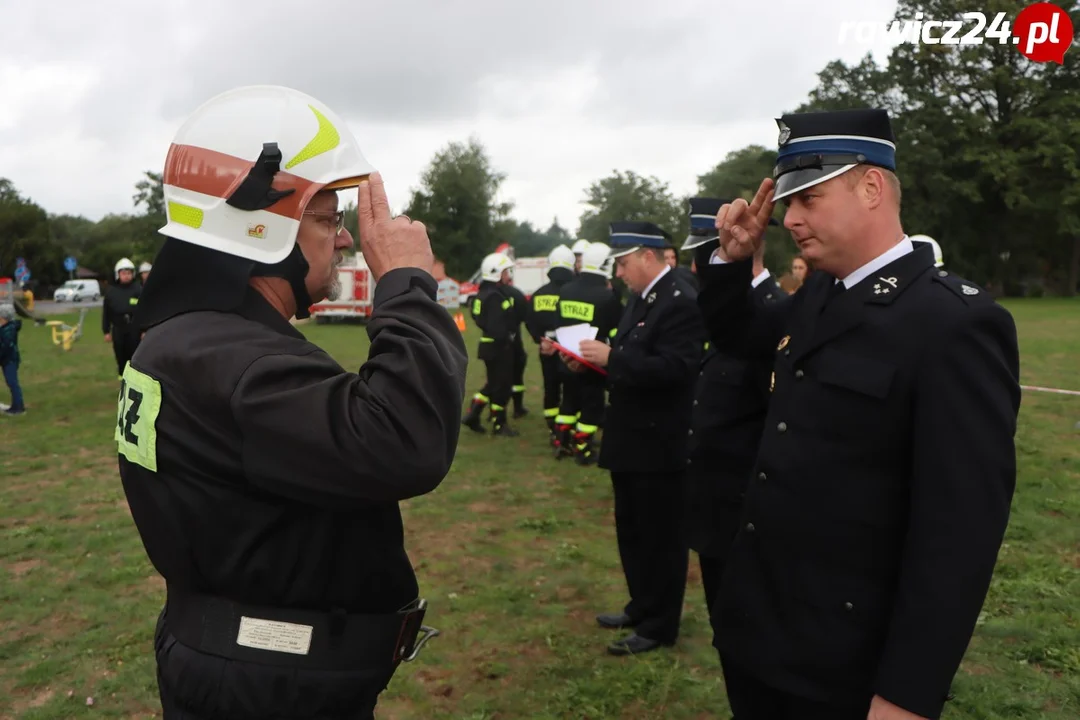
column 256, row 192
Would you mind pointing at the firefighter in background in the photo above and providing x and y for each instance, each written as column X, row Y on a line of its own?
column 579, row 247
column 144, row 272
column 541, row 323
column 585, row 299
column 118, row 311
column 521, row 310
column 493, row 310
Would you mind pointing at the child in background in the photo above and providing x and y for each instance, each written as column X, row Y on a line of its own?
column 9, row 356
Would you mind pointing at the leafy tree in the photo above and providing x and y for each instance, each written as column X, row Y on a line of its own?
column 457, row 202
column 628, row 196
column 24, row 232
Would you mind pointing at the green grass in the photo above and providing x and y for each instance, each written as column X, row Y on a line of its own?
column 515, row 552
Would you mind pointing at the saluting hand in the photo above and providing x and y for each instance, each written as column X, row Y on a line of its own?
column 882, row 709
column 742, row 226
column 389, row 243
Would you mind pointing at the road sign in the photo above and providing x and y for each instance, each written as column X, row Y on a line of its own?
column 70, row 264
column 22, row 274
column 20, row 262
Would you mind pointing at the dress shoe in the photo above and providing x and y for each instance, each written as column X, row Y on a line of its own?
column 615, row 622
column 633, row 645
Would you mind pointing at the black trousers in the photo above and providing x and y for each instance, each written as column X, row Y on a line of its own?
column 553, row 384
column 712, row 569
column 500, row 375
column 584, row 393
column 125, row 340
column 751, row 699
column 196, row 686
column 655, row 557
column 521, row 359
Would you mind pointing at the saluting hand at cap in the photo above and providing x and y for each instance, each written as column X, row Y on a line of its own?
column 741, row 226
column 389, row 243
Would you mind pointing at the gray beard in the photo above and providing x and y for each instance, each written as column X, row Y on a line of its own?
column 335, row 288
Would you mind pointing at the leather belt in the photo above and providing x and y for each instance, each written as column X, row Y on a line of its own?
column 289, row 637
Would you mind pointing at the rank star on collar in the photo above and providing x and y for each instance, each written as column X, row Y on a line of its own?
column 651, row 299
column 878, row 290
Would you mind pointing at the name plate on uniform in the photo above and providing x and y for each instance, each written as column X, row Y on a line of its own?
column 274, row 635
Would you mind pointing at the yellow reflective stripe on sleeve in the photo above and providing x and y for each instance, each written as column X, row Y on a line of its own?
column 545, row 303
column 576, row 310
column 565, row 419
column 706, row 344
column 497, row 408
column 137, row 408
column 487, row 339
column 133, row 301
column 476, row 307
column 481, row 397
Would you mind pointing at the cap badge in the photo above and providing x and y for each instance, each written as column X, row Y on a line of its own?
column 968, row 290
column 785, row 133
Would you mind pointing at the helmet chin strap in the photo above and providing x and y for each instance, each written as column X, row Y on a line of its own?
column 294, row 269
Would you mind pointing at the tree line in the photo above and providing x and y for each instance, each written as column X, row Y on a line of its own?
column 988, row 153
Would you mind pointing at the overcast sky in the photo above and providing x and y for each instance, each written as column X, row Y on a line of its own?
column 561, row 93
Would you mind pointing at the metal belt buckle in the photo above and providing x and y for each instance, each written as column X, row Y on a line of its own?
column 415, row 612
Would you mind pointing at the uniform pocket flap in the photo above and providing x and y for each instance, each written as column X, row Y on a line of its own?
column 854, row 372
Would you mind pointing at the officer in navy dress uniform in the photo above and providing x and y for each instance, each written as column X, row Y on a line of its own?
column 886, row 470
column 652, row 364
column 730, row 402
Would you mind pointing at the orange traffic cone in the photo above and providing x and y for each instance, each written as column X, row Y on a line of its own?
column 459, row 318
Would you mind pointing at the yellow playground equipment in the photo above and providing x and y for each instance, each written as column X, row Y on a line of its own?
column 65, row 335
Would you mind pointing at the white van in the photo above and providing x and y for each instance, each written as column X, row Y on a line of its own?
column 77, row 291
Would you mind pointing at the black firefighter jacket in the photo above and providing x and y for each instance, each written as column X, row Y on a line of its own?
column 883, row 482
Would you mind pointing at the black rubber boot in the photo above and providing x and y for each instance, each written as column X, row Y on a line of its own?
column 584, row 454
column 500, row 427
column 472, row 419
column 520, row 410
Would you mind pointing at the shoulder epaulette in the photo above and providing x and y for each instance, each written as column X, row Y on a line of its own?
column 966, row 290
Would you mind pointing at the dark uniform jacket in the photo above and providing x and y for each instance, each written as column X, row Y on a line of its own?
column 730, row 402
column 520, row 307
column 651, row 371
column 493, row 310
column 258, row 469
column 543, row 313
column 688, row 276
column 883, row 482
column 587, row 299
column 118, row 307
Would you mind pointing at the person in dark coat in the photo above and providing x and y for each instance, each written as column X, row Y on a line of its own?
column 521, row 358
column 541, row 321
column 652, row 363
column 118, row 311
column 730, row 402
column 884, row 477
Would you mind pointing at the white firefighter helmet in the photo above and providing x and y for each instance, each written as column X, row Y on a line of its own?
column 122, row 264
column 561, row 256
column 580, row 246
column 597, row 260
column 145, row 267
column 491, row 269
column 222, row 161
column 939, row 259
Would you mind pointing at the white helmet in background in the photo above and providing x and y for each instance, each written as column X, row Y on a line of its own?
column 491, row 269
column 561, row 256
column 939, row 259
column 597, row 260
column 145, row 267
column 580, row 246
column 242, row 168
column 122, row 264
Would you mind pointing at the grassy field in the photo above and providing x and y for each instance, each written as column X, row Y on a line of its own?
column 515, row 552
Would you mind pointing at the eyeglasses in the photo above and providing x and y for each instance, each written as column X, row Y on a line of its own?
column 336, row 216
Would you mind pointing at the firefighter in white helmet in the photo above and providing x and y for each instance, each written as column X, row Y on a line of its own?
column 118, row 312
column 492, row 308
column 542, row 320
column 144, row 271
column 263, row 477
column 579, row 248
column 586, row 299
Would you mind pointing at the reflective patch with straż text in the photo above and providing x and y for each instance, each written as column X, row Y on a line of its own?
column 137, row 408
